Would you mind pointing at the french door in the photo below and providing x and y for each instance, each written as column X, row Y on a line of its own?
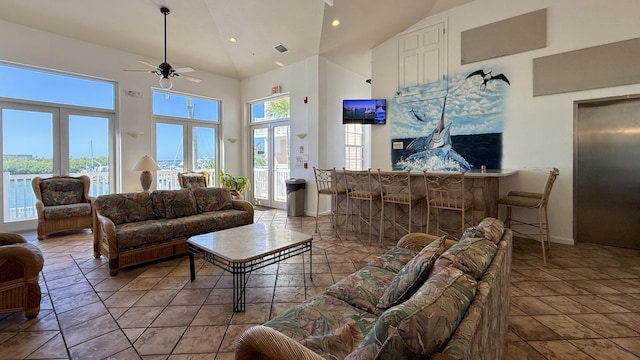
column 270, row 163
column 44, row 141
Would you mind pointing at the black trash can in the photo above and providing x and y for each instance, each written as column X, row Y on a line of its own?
column 295, row 196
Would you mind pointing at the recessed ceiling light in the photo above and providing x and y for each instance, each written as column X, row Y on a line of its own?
column 335, row 23
column 279, row 63
column 233, row 40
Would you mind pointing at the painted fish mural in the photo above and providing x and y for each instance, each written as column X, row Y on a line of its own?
column 435, row 145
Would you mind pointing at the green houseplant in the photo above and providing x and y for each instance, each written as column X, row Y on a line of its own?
column 236, row 184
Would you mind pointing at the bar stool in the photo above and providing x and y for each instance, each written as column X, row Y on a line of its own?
column 446, row 192
column 327, row 184
column 360, row 188
column 395, row 187
column 531, row 200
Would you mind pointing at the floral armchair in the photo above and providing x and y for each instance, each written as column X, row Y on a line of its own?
column 63, row 203
column 191, row 179
column 20, row 266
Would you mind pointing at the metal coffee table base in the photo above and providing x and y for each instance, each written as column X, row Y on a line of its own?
column 241, row 269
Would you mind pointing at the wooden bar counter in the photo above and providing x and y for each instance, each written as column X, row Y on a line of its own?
column 484, row 185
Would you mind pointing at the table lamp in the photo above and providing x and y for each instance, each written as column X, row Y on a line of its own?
column 146, row 165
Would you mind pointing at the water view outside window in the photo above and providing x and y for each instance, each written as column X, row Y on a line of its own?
column 185, row 119
column 43, row 136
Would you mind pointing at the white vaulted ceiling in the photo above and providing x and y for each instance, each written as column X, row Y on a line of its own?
column 198, row 31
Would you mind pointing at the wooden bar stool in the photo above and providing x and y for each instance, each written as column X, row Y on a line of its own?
column 395, row 187
column 446, row 192
column 360, row 188
column 531, row 200
column 327, row 184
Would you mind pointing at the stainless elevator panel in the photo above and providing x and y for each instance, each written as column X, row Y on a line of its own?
column 607, row 173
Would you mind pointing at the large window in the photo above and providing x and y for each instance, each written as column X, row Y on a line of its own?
column 187, row 129
column 52, row 123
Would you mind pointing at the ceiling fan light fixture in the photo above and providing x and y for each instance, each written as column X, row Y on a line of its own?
column 165, row 83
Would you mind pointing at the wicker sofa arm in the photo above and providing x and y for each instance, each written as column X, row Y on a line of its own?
column 8, row 239
column 243, row 205
column 27, row 255
column 262, row 342
column 416, row 241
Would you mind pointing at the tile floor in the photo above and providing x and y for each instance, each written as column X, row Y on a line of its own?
column 585, row 304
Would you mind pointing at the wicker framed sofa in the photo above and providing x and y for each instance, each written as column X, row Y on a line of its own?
column 426, row 298
column 134, row 228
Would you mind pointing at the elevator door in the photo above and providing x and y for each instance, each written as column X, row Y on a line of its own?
column 607, row 173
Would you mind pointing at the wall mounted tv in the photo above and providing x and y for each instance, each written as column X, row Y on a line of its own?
column 369, row 111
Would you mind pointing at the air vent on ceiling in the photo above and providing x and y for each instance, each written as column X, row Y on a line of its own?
column 280, row 48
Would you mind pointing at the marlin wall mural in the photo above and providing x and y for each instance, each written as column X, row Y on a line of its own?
column 454, row 129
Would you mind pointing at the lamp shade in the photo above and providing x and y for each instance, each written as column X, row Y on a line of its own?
column 145, row 163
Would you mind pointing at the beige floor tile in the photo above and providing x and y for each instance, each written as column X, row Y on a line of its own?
column 157, row 298
column 84, row 331
column 631, row 344
column 220, row 296
column 81, row 314
column 566, row 327
column 231, row 337
column 289, row 294
column 521, row 350
column 624, row 300
column 593, row 287
column 53, row 349
column 253, row 314
column 139, row 316
column 23, row 344
column 158, row 341
column 565, row 305
column 533, row 306
column 124, row 298
column 631, row 320
column 213, row 315
column 604, row 326
column 141, row 283
column 598, row 304
column 559, row 350
column 528, row 328
column 603, row 349
column 532, row 288
column 175, row 316
column 200, row 339
column 191, row 297
column 101, row 347
column 172, row 283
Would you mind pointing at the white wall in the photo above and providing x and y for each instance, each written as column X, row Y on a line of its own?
column 538, row 131
column 324, row 84
column 28, row 46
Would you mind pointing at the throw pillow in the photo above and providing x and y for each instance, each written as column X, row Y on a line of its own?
column 490, row 229
column 471, row 255
column 213, row 199
column 180, row 203
column 412, row 275
column 422, row 325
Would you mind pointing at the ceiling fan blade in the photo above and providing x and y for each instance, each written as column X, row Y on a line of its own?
column 184, row 69
column 147, row 63
column 190, row 78
column 138, row 70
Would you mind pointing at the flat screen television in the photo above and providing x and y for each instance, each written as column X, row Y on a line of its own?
column 364, row 111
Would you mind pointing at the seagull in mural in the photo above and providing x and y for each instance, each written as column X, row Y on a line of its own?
column 486, row 77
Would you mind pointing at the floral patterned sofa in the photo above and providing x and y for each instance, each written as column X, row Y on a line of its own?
column 426, row 298
column 135, row 228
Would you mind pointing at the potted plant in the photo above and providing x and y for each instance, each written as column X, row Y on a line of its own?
column 236, row 184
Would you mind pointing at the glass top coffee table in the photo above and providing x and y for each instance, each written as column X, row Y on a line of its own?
column 241, row 250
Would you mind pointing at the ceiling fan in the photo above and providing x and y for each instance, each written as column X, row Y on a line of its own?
column 165, row 70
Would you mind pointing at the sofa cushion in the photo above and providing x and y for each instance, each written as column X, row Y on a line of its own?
column 157, row 200
column 394, row 259
column 225, row 219
column 471, row 255
column 420, row 326
column 126, row 208
column 66, row 211
column 323, row 323
column 61, row 191
column 142, row 233
column 179, row 203
column 490, row 229
column 412, row 275
column 363, row 288
column 213, row 199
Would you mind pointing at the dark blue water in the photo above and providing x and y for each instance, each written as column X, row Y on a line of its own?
column 478, row 150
